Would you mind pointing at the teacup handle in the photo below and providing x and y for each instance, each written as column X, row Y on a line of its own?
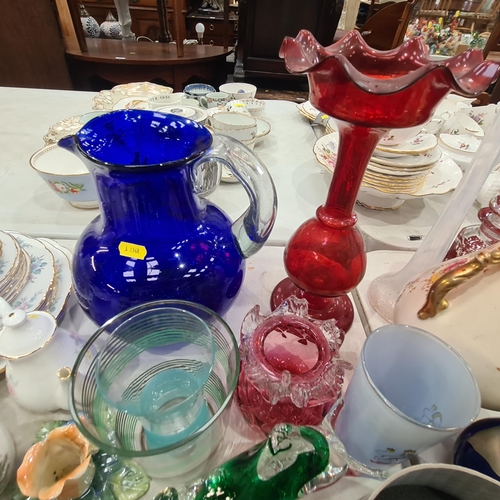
column 203, row 101
column 254, row 226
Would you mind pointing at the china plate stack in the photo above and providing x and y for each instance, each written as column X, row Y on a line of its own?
column 35, row 274
column 394, row 174
column 307, row 110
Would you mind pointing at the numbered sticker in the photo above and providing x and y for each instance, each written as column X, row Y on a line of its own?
column 132, row 251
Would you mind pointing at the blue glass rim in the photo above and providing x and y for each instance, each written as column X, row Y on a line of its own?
column 191, row 124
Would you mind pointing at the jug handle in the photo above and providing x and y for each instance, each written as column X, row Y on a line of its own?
column 254, row 226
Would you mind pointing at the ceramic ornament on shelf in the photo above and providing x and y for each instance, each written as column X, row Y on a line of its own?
column 90, row 25
column 111, row 27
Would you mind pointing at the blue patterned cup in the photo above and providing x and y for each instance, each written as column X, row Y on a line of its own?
column 198, row 90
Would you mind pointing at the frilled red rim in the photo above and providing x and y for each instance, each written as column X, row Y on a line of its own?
column 468, row 72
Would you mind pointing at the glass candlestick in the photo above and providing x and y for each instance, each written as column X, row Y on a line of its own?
column 473, row 238
column 367, row 92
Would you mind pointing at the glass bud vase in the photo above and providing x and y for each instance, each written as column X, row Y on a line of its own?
column 290, row 369
column 473, row 238
column 366, row 91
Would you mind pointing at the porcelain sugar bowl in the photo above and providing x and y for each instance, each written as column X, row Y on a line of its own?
column 39, row 358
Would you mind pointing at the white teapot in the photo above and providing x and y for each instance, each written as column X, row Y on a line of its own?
column 39, row 358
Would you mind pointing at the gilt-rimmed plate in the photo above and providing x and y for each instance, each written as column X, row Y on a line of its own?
column 10, row 256
column 42, row 274
column 106, row 99
column 64, row 284
column 460, row 143
column 407, row 161
column 307, row 110
column 131, row 103
column 418, row 145
column 443, row 178
column 325, row 150
column 193, row 113
column 263, row 128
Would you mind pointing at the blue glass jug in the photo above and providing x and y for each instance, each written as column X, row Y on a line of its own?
column 155, row 238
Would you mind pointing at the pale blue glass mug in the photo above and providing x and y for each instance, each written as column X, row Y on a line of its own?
column 154, row 366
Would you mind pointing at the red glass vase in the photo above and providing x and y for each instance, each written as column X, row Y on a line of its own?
column 367, row 92
column 290, row 369
column 473, row 238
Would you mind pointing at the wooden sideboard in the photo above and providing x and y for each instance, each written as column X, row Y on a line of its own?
column 264, row 23
column 214, row 27
column 144, row 15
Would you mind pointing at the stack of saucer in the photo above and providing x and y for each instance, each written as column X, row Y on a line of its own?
column 35, row 274
column 404, row 167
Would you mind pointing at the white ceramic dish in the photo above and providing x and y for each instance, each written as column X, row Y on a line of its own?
column 461, row 123
column 325, row 150
column 443, row 178
column 307, row 110
column 194, row 113
column 107, row 99
column 237, row 106
column 415, row 146
column 255, row 106
column 463, row 144
column 9, row 256
column 468, row 324
column 458, row 482
column 64, row 283
column 399, row 135
column 42, row 274
column 263, row 128
column 159, row 101
column 482, row 115
column 408, row 161
column 131, row 103
column 66, row 175
column 239, row 90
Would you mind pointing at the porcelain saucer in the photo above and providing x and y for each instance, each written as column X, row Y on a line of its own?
column 460, row 143
column 444, row 177
column 106, row 99
column 407, row 161
column 325, row 150
column 263, row 128
column 62, row 262
column 193, row 113
column 418, row 145
column 9, row 256
column 42, row 276
column 131, row 103
column 308, row 110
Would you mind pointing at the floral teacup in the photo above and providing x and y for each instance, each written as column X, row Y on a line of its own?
column 66, row 175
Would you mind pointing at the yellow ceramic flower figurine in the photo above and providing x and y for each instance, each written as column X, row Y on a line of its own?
column 60, row 467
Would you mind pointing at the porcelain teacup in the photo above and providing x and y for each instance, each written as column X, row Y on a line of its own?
column 66, row 175
column 239, row 126
column 214, row 99
column 484, row 116
column 239, row 90
column 462, row 124
column 158, row 101
column 198, row 90
column 399, row 135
